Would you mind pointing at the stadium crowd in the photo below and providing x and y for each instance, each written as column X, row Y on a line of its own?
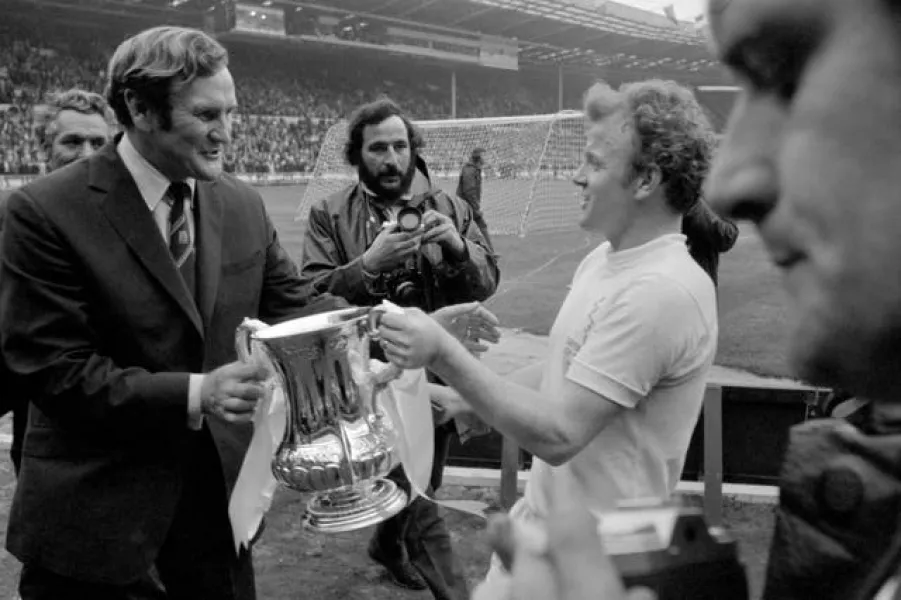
column 287, row 103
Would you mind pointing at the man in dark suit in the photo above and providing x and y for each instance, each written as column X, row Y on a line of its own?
column 708, row 235
column 123, row 278
column 76, row 123
column 469, row 188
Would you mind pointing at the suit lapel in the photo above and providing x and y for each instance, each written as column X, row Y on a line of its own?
column 128, row 214
column 208, row 224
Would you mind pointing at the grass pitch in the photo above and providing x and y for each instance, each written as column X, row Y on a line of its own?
column 536, row 270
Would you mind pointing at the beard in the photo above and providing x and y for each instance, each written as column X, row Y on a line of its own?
column 373, row 181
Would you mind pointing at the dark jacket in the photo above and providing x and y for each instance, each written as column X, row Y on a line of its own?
column 9, row 400
column 102, row 332
column 469, row 186
column 342, row 226
column 836, row 535
column 707, row 236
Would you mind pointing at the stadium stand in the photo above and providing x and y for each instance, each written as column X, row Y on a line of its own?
column 287, row 100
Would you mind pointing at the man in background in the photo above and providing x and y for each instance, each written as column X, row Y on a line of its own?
column 75, row 124
column 355, row 248
column 708, row 235
column 469, row 187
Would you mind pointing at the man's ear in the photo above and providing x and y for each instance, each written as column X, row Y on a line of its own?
column 647, row 182
column 143, row 118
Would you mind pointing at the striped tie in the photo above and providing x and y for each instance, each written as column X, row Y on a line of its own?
column 181, row 246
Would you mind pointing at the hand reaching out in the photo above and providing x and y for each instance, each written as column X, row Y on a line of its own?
column 561, row 558
column 471, row 323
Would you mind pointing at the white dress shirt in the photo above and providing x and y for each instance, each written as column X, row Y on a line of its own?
column 153, row 186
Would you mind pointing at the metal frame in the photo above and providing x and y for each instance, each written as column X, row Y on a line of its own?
column 582, row 36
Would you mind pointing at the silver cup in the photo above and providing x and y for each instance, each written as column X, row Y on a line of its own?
column 339, row 443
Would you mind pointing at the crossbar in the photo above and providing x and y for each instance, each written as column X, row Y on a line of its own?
column 565, row 114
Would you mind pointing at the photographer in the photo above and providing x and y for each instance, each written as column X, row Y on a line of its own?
column 393, row 236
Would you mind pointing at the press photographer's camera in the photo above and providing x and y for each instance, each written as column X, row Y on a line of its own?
column 409, row 218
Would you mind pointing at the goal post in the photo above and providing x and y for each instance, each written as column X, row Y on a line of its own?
column 526, row 179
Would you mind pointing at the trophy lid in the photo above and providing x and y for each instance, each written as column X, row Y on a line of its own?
column 314, row 323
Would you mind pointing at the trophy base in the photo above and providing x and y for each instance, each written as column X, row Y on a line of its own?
column 366, row 504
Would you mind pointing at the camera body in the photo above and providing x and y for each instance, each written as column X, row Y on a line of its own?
column 406, row 284
column 671, row 550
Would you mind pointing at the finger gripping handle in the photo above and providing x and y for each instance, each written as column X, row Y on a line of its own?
column 374, row 321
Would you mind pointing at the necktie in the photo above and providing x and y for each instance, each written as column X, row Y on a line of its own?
column 181, row 246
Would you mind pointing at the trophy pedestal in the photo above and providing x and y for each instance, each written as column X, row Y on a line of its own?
column 368, row 503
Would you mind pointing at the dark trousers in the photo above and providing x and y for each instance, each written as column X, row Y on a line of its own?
column 20, row 420
column 421, row 530
column 479, row 219
column 196, row 561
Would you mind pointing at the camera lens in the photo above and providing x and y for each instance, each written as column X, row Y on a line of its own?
column 408, row 293
column 409, row 219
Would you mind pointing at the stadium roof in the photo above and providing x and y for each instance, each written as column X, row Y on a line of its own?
column 573, row 34
column 584, row 33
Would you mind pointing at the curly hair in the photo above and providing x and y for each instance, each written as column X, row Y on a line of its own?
column 374, row 113
column 155, row 64
column 81, row 101
column 671, row 130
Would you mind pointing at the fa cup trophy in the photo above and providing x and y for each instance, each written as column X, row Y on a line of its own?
column 339, row 443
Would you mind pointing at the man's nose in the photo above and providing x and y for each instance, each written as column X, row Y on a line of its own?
column 579, row 178
column 222, row 132
column 85, row 149
column 744, row 181
column 391, row 157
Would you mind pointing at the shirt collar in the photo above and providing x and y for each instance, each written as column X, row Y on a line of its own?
column 152, row 184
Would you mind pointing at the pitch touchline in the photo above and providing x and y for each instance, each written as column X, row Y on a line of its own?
column 506, row 287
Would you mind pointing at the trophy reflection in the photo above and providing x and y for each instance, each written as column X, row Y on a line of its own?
column 338, row 443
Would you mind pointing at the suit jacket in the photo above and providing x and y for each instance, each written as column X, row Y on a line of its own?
column 103, row 333
column 9, row 399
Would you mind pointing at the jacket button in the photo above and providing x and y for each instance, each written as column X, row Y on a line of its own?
column 841, row 489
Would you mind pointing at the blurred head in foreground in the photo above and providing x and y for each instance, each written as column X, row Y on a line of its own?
column 813, row 157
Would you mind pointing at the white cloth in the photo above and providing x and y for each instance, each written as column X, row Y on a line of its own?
column 888, row 590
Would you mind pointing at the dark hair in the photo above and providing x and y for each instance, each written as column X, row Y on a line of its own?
column 374, row 113
column 155, row 64
column 477, row 154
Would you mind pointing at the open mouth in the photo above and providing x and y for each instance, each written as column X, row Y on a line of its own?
column 212, row 154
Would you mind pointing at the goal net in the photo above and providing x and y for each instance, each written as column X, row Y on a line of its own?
column 529, row 163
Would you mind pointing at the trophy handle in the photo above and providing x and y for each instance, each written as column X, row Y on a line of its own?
column 373, row 320
column 243, row 338
column 391, row 372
